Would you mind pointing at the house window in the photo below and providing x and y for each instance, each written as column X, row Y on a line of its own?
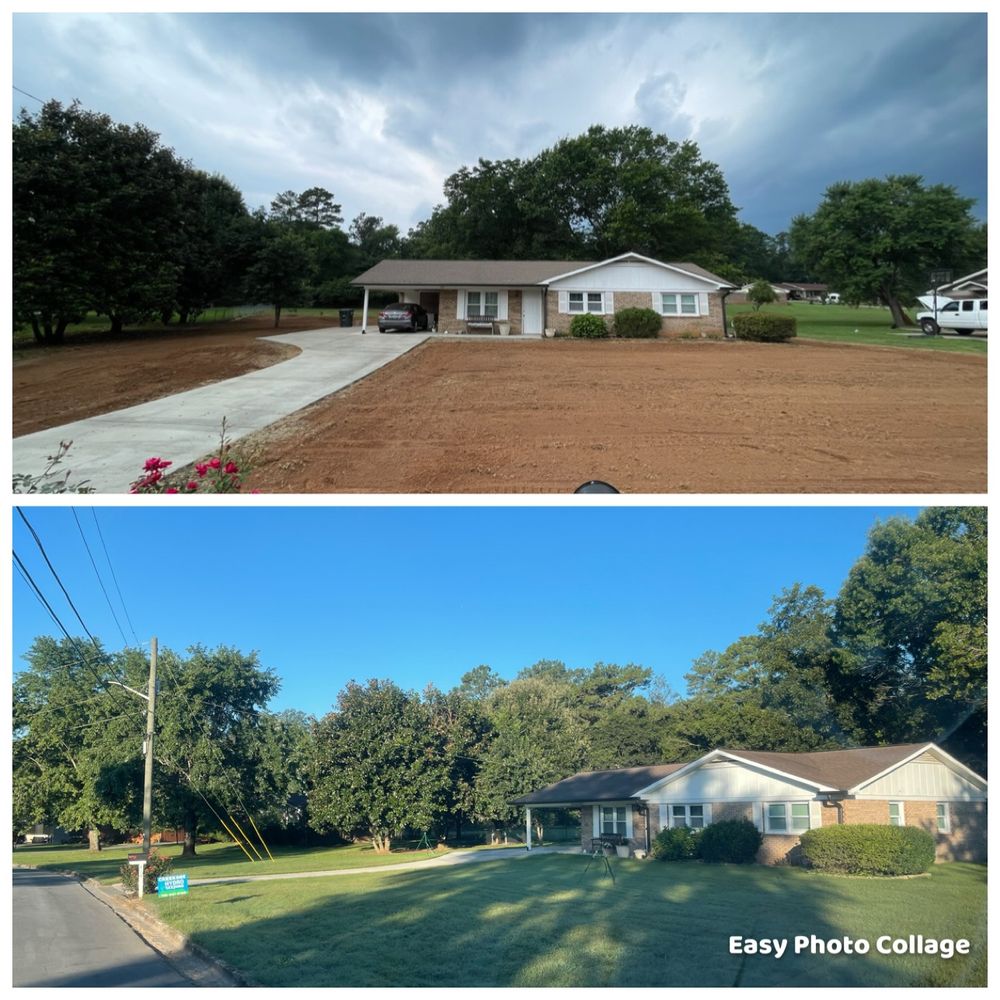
column 613, row 821
column 690, row 816
column 482, row 304
column 896, row 814
column 674, row 304
column 586, row 302
column 943, row 818
column 787, row 817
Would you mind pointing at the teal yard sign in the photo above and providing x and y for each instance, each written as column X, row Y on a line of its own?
column 172, row 885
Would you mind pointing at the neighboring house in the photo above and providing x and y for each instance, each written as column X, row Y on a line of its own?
column 970, row 286
column 525, row 297
column 804, row 291
column 740, row 295
column 782, row 794
column 41, row 833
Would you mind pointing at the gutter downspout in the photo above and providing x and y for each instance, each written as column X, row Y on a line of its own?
column 545, row 309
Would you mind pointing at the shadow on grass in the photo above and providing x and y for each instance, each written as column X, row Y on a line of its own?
column 543, row 921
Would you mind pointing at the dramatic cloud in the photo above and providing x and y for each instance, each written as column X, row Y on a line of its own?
column 381, row 108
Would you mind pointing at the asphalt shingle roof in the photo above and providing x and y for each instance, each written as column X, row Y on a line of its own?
column 840, row 769
column 502, row 273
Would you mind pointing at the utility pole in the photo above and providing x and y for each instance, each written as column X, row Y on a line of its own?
column 147, row 785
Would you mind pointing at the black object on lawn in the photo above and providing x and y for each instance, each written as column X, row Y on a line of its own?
column 596, row 486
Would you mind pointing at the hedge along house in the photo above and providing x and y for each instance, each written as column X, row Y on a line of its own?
column 782, row 794
column 530, row 296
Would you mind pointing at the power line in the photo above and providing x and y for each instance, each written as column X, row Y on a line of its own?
column 100, row 534
column 83, row 537
column 27, row 577
column 26, row 94
column 48, row 562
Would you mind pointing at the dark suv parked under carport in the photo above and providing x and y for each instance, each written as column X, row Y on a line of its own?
column 402, row 316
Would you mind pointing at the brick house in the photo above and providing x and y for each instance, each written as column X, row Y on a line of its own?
column 782, row 794
column 525, row 297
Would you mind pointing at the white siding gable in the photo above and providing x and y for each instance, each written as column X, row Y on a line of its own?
column 633, row 276
column 729, row 781
column 927, row 777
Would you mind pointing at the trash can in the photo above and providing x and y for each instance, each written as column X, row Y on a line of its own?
column 347, row 317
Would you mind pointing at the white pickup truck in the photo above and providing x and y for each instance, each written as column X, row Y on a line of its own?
column 960, row 315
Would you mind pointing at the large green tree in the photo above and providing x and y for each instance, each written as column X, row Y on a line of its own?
column 911, row 621
column 878, row 240
column 380, row 767
column 62, row 708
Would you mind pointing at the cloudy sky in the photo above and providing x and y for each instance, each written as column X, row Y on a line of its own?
column 381, row 108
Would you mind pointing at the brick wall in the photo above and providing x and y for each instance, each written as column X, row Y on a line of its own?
column 671, row 327
column 448, row 311
column 731, row 810
column 514, row 310
column 967, row 840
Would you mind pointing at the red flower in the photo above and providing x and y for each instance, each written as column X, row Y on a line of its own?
column 231, row 468
column 215, row 462
column 192, row 485
column 201, row 468
column 153, row 464
column 172, row 490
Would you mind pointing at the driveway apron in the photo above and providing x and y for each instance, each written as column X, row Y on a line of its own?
column 109, row 450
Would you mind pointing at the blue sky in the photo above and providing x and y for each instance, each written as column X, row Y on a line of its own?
column 423, row 594
column 380, row 108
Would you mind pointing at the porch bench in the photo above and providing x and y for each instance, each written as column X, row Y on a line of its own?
column 481, row 323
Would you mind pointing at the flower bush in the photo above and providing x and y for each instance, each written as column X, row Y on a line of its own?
column 157, row 865
column 220, row 474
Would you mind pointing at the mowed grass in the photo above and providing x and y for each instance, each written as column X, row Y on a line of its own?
column 546, row 922
column 215, row 860
column 862, row 325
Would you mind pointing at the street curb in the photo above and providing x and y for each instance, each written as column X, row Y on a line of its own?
column 190, row 960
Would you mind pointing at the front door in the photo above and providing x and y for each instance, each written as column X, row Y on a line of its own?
column 531, row 311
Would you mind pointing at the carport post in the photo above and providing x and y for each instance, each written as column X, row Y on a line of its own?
column 364, row 311
column 527, row 826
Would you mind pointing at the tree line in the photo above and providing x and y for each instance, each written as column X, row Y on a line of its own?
column 899, row 655
column 108, row 220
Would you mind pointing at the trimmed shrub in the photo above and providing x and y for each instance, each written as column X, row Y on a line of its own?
column 676, row 843
column 868, row 849
column 764, row 327
column 637, row 323
column 735, row 841
column 157, row 865
column 587, row 325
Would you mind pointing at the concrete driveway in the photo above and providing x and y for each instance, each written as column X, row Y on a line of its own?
column 109, row 450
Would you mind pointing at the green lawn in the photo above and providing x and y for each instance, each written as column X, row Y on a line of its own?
column 864, row 325
column 544, row 921
column 215, row 860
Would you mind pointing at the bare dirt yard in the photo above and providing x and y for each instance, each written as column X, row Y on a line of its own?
column 649, row 417
column 97, row 373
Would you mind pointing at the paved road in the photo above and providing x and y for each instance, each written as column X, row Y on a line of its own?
column 63, row 936
column 109, row 450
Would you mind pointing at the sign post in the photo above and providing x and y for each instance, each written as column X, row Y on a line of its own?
column 139, row 860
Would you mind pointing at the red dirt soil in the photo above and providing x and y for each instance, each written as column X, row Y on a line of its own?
column 649, row 417
column 98, row 373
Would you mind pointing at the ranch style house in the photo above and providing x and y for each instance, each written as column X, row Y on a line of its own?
column 527, row 297
column 782, row 794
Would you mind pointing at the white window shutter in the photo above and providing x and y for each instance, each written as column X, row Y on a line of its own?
column 502, row 304
column 758, row 816
column 707, row 812
column 815, row 814
column 628, row 821
column 564, row 302
column 703, row 304
column 597, row 821
column 609, row 303
column 460, row 304
column 655, row 302
column 664, row 816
